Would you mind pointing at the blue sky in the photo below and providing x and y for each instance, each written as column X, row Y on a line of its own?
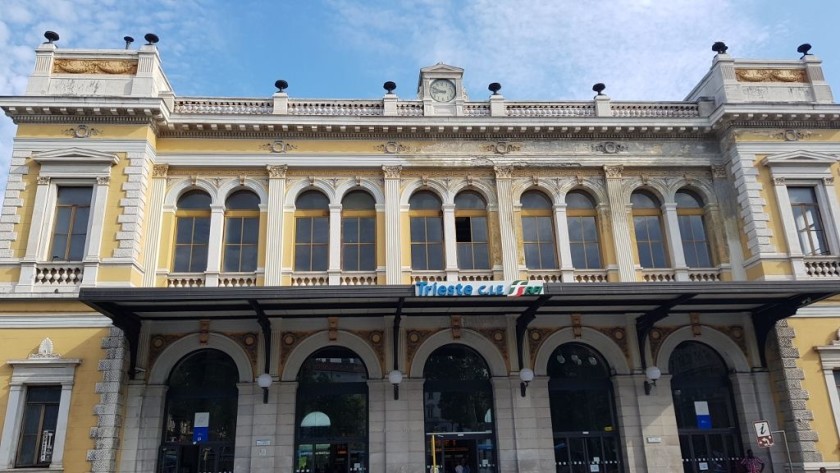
column 537, row 49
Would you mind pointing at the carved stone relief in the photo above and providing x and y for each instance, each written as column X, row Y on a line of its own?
column 415, row 338
column 92, row 66
column 771, row 75
column 498, row 337
column 82, row 131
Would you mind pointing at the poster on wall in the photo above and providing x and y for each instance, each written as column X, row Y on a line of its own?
column 704, row 419
column 201, row 427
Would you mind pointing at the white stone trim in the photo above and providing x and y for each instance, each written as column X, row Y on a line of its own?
column 722, row 344
column 832, row 311
column 593, row 338
column 33, row 372
column 171, row 355
column 830, row 361
column 472, row 339
column 69, row 320
column 319, row 340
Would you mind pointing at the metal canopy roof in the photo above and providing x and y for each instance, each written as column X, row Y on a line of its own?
column 766, row 301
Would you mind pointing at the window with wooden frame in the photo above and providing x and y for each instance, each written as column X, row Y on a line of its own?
column 695, row 242
column 538, row 231
column 358, row 232
column 192, row 233
column 471, row 233
column 37, row 432
column 647, row 223
column 426, row 230
column 312, row 231
column 582, row 220
column 242, row 229
column 70, row 227
column 808, row 219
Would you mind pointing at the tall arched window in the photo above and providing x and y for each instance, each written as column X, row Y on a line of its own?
column 332, row 413
column 199, row 427
column 650, row 239
column 192, row 233
column 538, row 231
column 312, row 231
column 358, row 232
column 583, row 415
column 426, row 231
column 703, row 403
column 583, row 230
column 692, row 230
column 242, row 229
column 458, row 408
column 471, row 231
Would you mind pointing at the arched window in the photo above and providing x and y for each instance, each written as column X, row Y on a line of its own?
column 426, row 231
column 192, row 232
column 583, row 415
column 458, row 407
column 199, row 428
column 583, row 230
column 471, row 231
column 809, row 225
column 358, row 232
column 538, row 231
column 647, row 222
column 703, row 403
column 242, row 228
column 692, row 230
column 332, row 413
column 312, row 231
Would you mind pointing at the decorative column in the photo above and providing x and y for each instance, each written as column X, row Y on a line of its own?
column 334, row 268
column 564, row 247
column 618, row 219
column 36, row 244
column 797, row 259
column 674, row 240
column 393, row 242
column 214, row 245
column 450, row 244
column 94, row 241
column 504, row 195
column 274, row 225
column 724, row 223
column 152, row 242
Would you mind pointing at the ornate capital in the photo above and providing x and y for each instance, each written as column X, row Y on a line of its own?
column 779, row 181
column 160, row 170
column 103, row 181
column 718, row 171
column 43, row 180
column 503, row 171
column 613, row 172
column 277, row 172
column 392, row 172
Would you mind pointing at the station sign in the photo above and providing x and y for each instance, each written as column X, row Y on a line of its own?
column 516, row 288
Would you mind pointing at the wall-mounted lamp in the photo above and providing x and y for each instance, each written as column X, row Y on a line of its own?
column 651, row 375
column 395, row 377
column 526, row 375
column 264, row 381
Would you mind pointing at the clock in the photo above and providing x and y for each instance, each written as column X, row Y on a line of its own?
column 442, row 90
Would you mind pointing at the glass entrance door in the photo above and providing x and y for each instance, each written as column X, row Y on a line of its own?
column 473, row 452
column 339, row 457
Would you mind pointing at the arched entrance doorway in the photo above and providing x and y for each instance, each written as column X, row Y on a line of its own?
column 332, row 413
column 703, row 403
column 458, row 411
column 583, row 417
column 200, row 422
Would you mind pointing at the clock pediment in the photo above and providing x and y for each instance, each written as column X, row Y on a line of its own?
column 442, row 68
column 441, row 87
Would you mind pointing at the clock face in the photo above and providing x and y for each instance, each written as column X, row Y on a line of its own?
column 442, row 90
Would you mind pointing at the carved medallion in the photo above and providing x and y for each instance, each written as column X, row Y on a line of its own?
column 279, row 146
column 501, row 147
column 82, row 131
column 609, row 147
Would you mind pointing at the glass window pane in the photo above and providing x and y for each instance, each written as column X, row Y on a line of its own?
column 76, row 252
column 303, row 230
column 579, row 200
column 548, row 255
column 418, row 257
column 350, row 258
column 532, row 256
column 481, row 256
column 195, row 199
column 535, row 200
column 463, row 232
column 62, row 219
column 418, row 229
column 319, row 258
column 469, row 200
column 546, row 228
column 243, row 200
column 367, row 230
column 234, row 230
column 321, row 230
column 578, row 255
column 350, row 230
column 435, row 256
column 465, row 259
column 590, row 232
column 654, row 229
column 424, row 200
column 529, row 228
column 80, row 223
column 434, row 228
column 645, row 258
column 479, row 229
column 358, row 200
column 367, row 258
column 687, row 199
column 59, row 248
column 199, row 259
column 249, row 258
column 232, row 253
column 201, row 231
column 182, row 259
column 75, row 196
column 593, row 256
column 302, row 258
column 658, row 252
column 644, row 200
column 251, row 230
column 184, row 230
column 575, row 230
column 312, row 200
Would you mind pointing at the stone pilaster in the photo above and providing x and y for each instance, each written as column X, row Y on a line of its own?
column 533, row 434
column 753, row 217
column 133, row 207
column 618, row 219
column 564, row 248
column 106, row 434
column 9, row 217
column 393, row 250
column 274, row 225
column 334, row 268
column 674, row 240
column 450, row 244
column 657, row 419
column 152, row 242
column 404, row 430
column 725, row 223
column 504, row 194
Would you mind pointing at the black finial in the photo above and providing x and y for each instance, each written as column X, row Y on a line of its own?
column 599, row 88
column 720, row 47
column 804, row 49
column 151, row 38
column 128, row 40
column 281, row 85
column 390, row 86
column 51, row 36
column 494, row 87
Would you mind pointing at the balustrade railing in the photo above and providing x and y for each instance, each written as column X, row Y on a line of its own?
column 358, row 279
column 182, row 280
column 427, row 276
column 549, row 109
column 237, row 280
column 591, row 275
column 822, row 267
column 655, row 110
column 346, row 108
column 310, row 279
column 658, row 275
column 545, row 275
column 58, row 274
column 704, row 275
column 217, row 106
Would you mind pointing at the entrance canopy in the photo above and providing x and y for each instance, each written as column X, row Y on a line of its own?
column 766, row 302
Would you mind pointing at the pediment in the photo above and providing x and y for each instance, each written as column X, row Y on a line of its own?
column 800, row 158
column 75, row 156
column 441, row 67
